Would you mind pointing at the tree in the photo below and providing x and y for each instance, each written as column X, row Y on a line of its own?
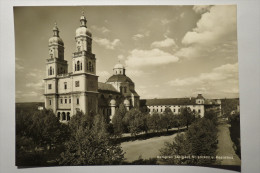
column 199, row 140
column 90, row 143
column 117, row 120
column 35, row 130
column 136, row 121
column 187, row 116
column 178, row 147
column 43, row 127
column 153, row 122
column 167, row 119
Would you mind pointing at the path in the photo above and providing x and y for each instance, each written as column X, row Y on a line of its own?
column 148, row 148
column 225, row 146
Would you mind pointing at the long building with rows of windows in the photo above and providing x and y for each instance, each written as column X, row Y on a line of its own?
column 66, row 93
column 197, row 105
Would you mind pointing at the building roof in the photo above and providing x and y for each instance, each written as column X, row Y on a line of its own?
column 168, row 101
column 119, row 78
column 200, row 96
column 106, row 87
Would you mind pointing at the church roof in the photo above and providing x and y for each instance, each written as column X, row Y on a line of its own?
column 119, row 78
column 168, row 101
column 106, row 87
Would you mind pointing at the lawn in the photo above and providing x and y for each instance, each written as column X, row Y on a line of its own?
column 148, row 148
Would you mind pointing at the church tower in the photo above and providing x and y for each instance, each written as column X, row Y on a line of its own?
column 83, row 59
column 55, row 63
column 84, row 79
column 55, row 66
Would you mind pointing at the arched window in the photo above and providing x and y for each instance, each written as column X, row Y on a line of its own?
column 90, row 67
column 58, row 115
column 78, row 66
column 121, row 88
column 50, row 70
column 63, row 116
column 68, row 116
column 75, row 67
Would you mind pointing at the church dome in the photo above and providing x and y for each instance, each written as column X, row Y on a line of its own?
column 56, row 40
column 119, row 66
column 126, row 102
column 120, row 78
column 83, row 31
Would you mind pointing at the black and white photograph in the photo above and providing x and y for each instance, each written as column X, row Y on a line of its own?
column 127, row 85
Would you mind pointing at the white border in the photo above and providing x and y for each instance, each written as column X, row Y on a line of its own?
column 249, row 80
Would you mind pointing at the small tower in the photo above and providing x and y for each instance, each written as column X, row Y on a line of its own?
column 200, row 99
column 119, row 69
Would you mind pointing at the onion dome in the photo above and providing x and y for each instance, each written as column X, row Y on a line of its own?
column 112, row 102
column 119, row 66
column 83, row 30
column 56, row 38
column 126, row 102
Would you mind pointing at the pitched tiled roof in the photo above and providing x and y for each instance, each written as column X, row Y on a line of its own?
column 168, row 101
column 106, row 87
column 119, row 78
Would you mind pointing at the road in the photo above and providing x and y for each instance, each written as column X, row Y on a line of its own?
column 225, row 146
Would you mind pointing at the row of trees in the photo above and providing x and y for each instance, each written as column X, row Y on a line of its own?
column 135, row 121
column 42, row 139
column 195, row 147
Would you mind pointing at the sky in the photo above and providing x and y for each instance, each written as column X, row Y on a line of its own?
column 168, row 51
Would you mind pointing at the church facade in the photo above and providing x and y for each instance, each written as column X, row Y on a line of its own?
column 79, row 90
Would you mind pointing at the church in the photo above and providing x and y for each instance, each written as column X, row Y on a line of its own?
column 79, row 90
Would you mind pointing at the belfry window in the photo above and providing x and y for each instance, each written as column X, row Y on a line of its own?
column 77, row 101
column 50, row 70
column 125, row 89
column 75, row 67
column 50, row 102
column 61, row 101
column 199, row 111
column 78, row 66
column 90, row 67
column 65, row 85
column 49, row 86
column 65, row 101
